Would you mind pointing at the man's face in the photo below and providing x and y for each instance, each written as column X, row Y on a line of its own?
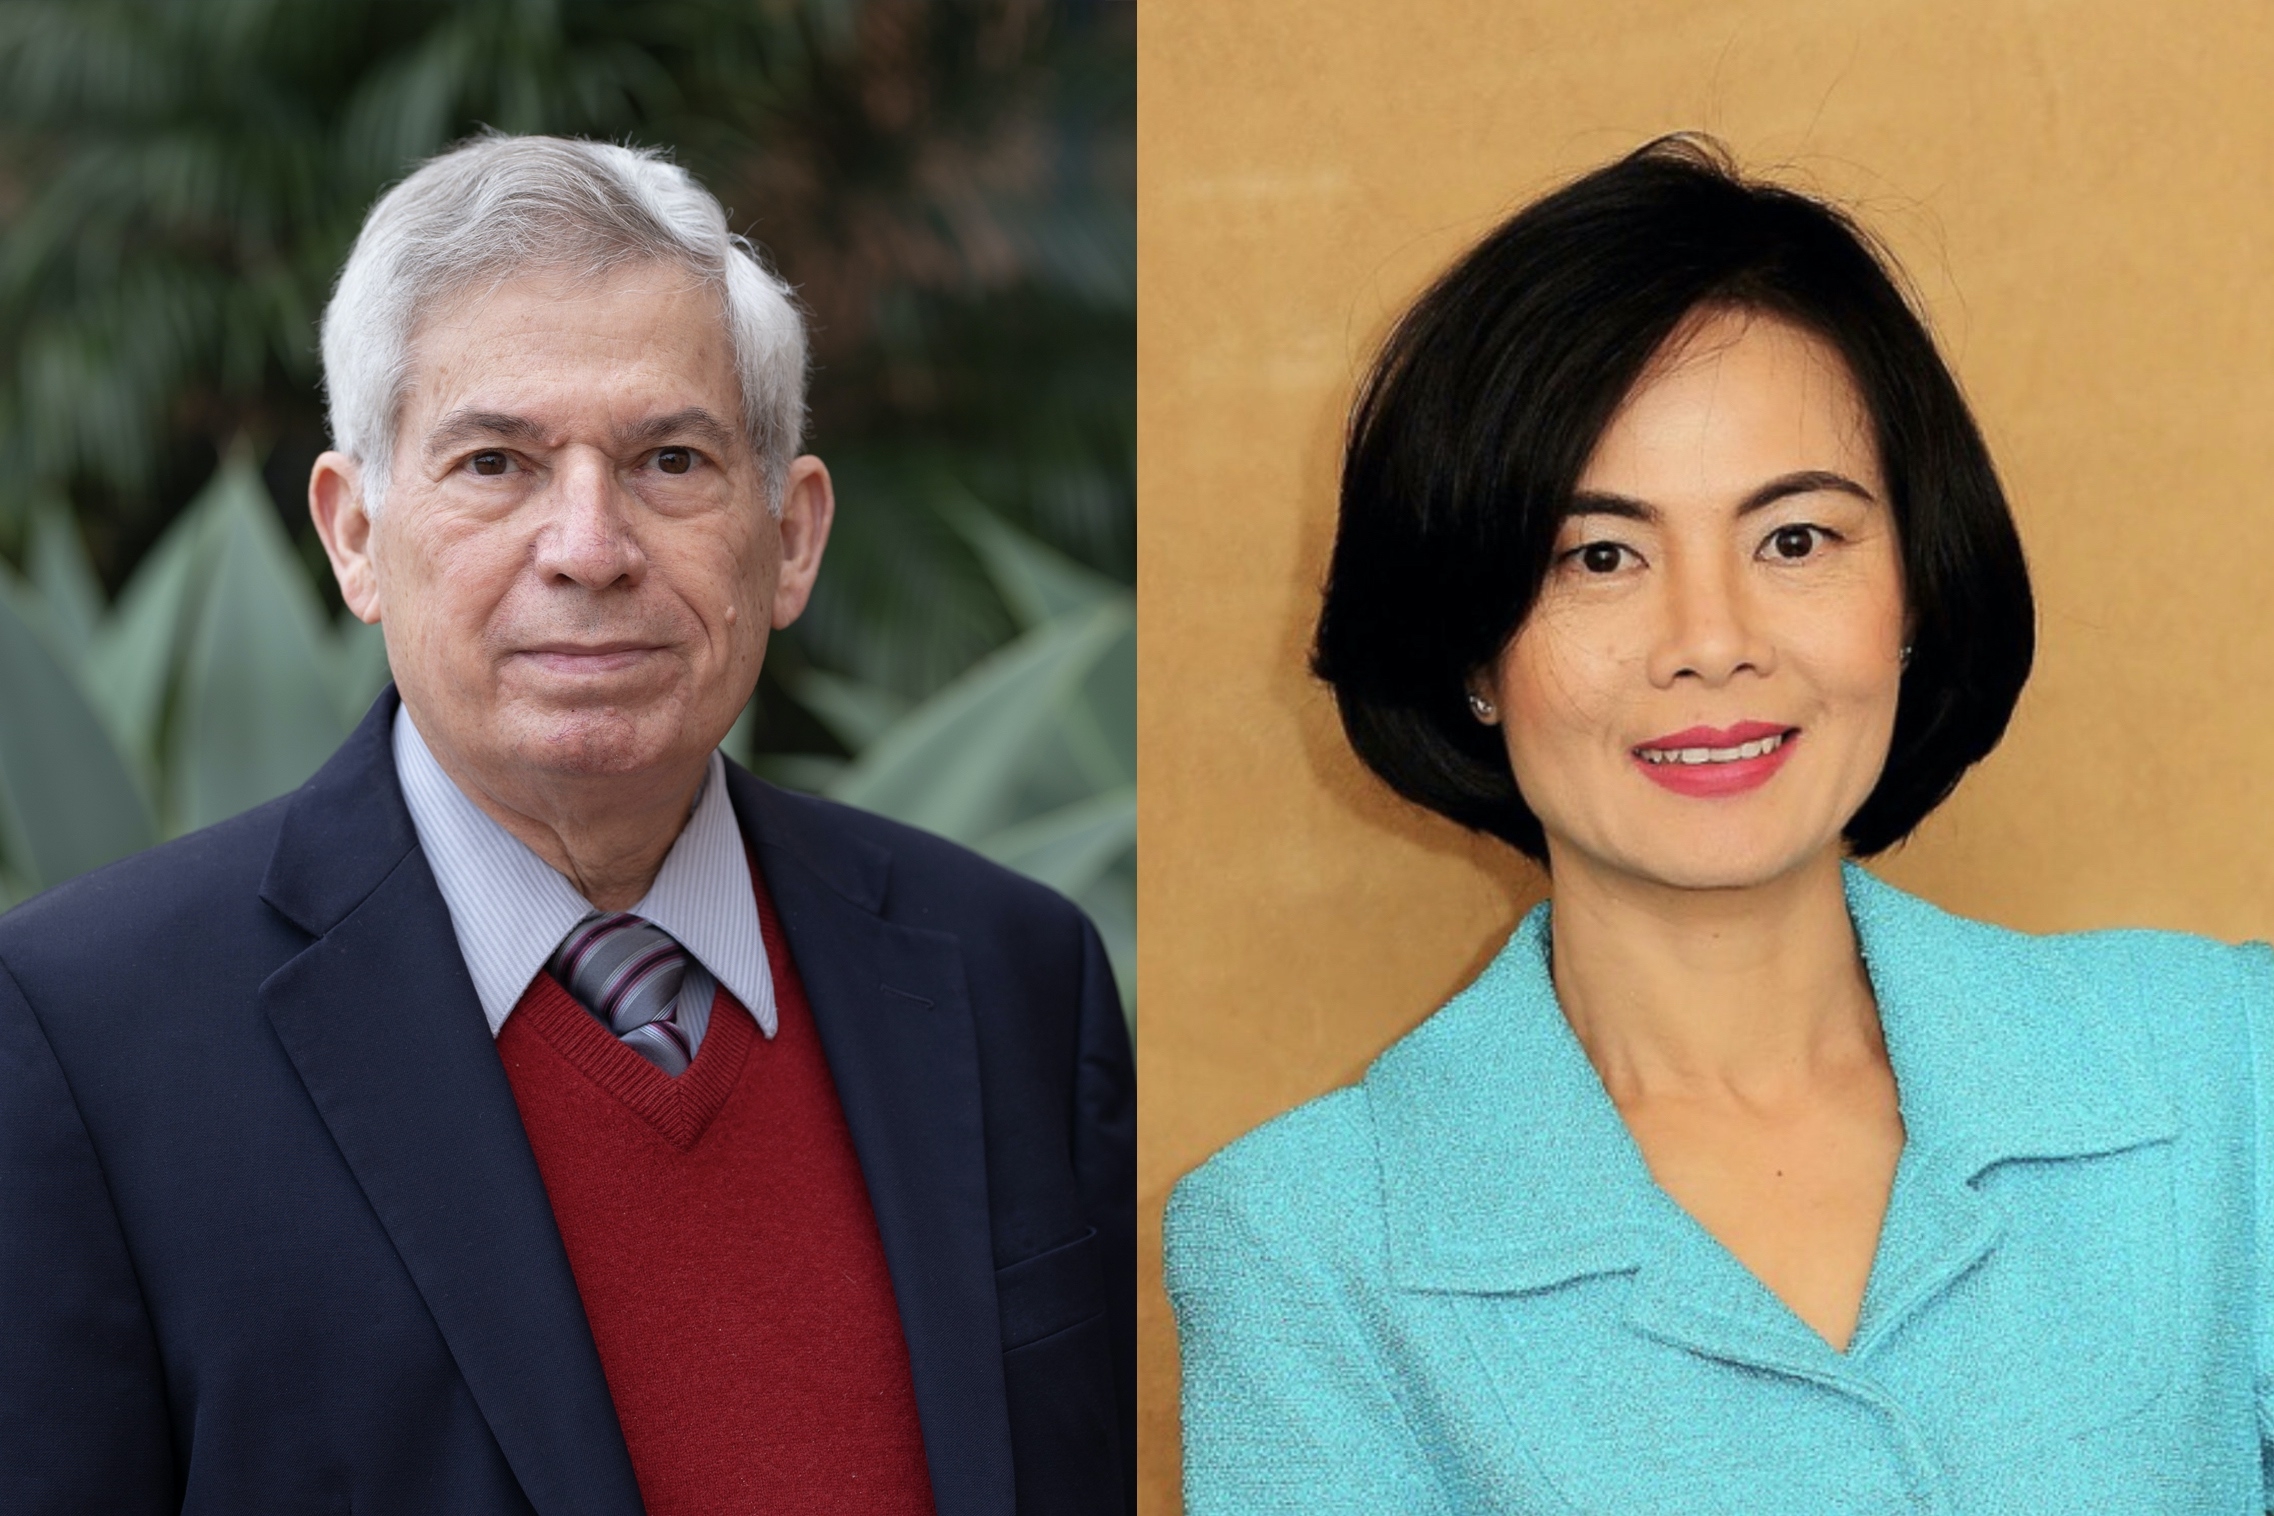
column 574, row 565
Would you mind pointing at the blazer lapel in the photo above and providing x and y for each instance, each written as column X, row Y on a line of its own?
column 895, row 1022
column 380, row 1019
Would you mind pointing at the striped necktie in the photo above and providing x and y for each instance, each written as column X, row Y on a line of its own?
column 627, row 971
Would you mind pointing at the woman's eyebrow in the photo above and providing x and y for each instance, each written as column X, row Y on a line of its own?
column 1803, row 482
column 1625, row 507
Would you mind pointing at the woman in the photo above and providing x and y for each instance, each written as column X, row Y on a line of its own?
column 1739, row 1181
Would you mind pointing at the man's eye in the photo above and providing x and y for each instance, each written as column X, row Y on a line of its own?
column 1601, row 557
column 675, row 460
column 490, row 464
column 1794, row 541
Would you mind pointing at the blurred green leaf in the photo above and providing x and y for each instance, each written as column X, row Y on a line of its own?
column 1037, row 582
column 359, row 665
column 800, row 771
column 858, row 714
column 956, row 765
column 258, row 710
column 67, row 802
column 138, row 647
column 1069, row 848
column 65, row 580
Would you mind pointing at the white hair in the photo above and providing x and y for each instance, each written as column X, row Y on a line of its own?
column 499, row 206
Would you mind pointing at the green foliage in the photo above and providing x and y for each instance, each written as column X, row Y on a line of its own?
column 1030, row 755
column 67, row 800
column 215, row 683
column 948, row 183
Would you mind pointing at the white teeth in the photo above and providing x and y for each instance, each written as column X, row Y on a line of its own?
column 1759, row 748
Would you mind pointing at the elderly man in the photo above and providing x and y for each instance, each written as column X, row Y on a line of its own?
column 535, row 1111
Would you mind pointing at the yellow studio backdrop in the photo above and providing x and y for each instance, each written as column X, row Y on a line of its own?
column 2083, row 195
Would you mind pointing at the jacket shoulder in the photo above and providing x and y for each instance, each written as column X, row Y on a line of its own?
column 2198, row 998
column 927, row 876
column 198, row 887
column 1308, row 1179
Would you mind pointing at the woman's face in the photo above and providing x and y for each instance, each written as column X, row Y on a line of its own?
column 1705, row 691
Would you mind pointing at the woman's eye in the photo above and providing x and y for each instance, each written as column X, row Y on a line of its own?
column 1794, row 541
column 1601, row 557
column 490, row 465
column 675, row 460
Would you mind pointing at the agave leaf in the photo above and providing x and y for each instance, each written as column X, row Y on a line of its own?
column 1069, row 848
column 135, row 651
column 856, row 714
column 1038, row 583
column 956, row 765
column 743, row 735
column 812, row 773
column 1101, row 728
column 65, row 580
column 67, row 800
column 259, row 706
column 359, row 658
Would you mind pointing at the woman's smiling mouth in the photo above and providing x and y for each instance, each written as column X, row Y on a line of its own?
column 1704, row 761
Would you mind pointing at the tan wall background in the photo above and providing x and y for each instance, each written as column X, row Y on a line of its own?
column 2084, row 195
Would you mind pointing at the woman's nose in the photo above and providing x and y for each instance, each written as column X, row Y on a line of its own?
column 1709, row 628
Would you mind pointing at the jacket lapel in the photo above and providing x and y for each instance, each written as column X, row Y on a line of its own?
column 1506, row 1168
column 895, row 1021
column 381, row 1021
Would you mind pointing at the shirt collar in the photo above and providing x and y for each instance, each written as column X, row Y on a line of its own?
column 1505, row 1165
column 510, row 908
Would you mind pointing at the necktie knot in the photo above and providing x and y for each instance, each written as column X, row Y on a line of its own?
column 627, row 972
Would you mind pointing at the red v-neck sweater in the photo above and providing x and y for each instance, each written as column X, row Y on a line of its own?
column 729, row 1263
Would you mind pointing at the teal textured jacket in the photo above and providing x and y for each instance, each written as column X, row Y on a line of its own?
column 1455, row 1288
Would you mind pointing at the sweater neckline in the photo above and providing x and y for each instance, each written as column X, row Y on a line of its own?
column 680, row 1108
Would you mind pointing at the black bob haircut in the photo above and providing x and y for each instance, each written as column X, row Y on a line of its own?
column 1467, row 442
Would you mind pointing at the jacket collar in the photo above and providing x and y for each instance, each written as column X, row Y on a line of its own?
column 1505, row 1166
column 893, row 1009
column 383, row 1027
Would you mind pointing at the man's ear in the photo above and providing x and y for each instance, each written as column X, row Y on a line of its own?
column 809, row 504
column 335, row 504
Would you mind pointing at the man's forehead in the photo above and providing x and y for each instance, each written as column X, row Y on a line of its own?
column 635, row 353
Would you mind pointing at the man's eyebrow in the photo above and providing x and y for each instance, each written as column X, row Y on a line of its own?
column 481, row 426
column 1804, row 482
column 694, row 423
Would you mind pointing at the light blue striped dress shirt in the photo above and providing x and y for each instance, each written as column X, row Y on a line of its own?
column 510, row 908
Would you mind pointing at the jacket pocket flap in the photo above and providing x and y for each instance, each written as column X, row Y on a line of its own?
column 1050, row 1291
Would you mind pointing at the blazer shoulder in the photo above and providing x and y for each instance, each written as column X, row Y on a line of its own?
column 199, row 886
column 1309, row 1179
column 2174, row 978
column 926, row 875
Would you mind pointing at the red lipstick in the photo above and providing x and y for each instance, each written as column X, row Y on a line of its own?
column 1706, row 762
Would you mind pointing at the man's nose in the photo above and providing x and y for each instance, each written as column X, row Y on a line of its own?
column 1709, row 626
column 587, row 535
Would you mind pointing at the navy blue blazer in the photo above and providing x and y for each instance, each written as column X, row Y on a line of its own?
column 272, row 1239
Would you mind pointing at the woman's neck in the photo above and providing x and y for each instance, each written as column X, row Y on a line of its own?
column 1755, row 994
